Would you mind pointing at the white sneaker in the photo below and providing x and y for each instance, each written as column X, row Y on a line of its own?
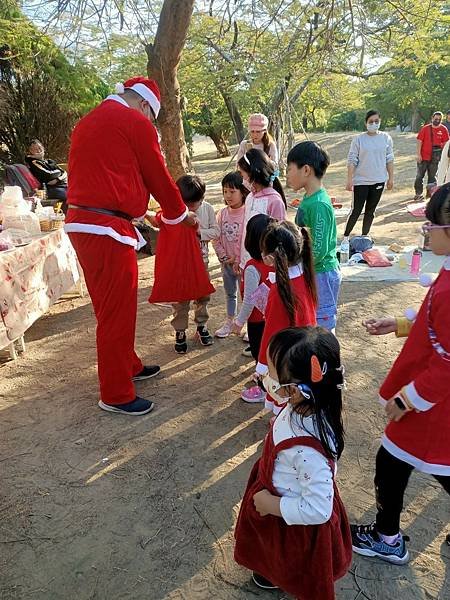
column 225, row 330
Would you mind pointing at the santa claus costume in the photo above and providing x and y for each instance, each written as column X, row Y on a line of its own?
column 115, row 163
column 419, row 382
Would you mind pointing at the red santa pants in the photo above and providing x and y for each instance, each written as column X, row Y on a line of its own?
column 111, row 274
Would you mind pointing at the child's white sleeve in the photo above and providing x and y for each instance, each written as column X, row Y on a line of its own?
column 308, row 491
column 251, row 282
column 209, row 229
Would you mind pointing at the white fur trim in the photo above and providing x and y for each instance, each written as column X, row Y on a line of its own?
column 410, row 314
column 118, row 99
column 261, row 369
column 119, row 88
column 447, row 263
column 417, row 401
column 420, row 465
column 174, row 221
column 426, row 280
column 382, row 400
column 137, row 244
column 148, row 95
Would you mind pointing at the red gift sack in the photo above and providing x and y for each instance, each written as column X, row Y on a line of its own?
column 180, row 273
column 376, row 258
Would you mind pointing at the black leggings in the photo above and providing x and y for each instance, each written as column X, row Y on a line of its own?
column 255, row 332
column 391, row 479
column 368, row 195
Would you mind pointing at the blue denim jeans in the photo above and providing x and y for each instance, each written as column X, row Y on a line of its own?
column 328, row 286
column 231, row 286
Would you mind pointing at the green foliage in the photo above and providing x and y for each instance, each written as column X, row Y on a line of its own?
column 43, row 93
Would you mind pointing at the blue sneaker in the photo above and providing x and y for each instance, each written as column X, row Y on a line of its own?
column 136, row 408
column 367, row 542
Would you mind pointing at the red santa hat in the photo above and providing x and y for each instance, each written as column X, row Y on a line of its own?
column 147, row 88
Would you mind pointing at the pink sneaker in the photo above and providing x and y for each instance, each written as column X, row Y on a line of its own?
column 253, row 395
column 225, row 330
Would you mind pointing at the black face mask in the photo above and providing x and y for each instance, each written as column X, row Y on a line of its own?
column 436, row 122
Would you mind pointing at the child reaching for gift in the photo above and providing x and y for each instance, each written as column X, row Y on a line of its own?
column 292, row 530
column 180, row 283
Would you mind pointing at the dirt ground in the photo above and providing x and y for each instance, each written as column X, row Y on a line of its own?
column 100, row 506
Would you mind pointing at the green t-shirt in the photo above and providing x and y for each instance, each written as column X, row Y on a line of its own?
column 317, row 213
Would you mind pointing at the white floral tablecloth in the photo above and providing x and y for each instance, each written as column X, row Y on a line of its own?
column 32, row 278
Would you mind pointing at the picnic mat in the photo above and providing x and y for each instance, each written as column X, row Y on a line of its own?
column 399, row 271
column 417, row 209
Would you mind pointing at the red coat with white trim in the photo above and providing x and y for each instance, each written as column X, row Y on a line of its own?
column 277, row 317
column 115, row 162
column 422, row 437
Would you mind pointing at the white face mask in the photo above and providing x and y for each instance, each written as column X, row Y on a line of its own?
column 273, row 386
column 372, row 127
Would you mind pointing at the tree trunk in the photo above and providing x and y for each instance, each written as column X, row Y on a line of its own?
column 415, row 119
column 163, row 60
column 220, row 143
column 235, row 116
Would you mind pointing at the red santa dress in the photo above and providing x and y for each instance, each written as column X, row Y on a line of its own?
column 277, row 318
column 303, row 560
column 180, row 273
column 115, row 163
column 422, row 372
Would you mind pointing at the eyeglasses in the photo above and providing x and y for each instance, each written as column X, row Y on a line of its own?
column 426, row 227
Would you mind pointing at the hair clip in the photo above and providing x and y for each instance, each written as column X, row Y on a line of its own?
column 305, row 391
column 246, row 159
column 317, row 372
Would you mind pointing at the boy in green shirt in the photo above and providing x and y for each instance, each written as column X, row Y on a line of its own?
column 307, row 164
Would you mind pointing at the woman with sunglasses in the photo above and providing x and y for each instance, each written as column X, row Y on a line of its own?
column 416, row 395
column 370, row 167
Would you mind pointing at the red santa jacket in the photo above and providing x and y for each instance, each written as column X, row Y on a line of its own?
column 277, row 317
column 115, row 162
column 422, row 370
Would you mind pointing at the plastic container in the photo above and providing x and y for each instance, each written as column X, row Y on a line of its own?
column 344, row 252
column 27, row 222
column 414, row 269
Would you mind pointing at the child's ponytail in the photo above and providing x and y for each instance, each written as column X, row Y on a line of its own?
column 308, row 263
column 276, row 184
column 284, row 283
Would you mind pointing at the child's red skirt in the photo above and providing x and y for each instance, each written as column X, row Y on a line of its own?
column 302, row 560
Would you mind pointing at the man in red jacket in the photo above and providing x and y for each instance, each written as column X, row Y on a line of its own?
column 430, row 141
column 115, row 163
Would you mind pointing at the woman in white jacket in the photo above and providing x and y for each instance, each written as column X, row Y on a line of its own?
column 443, row 172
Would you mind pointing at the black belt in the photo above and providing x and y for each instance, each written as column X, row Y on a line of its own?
column 103, row 211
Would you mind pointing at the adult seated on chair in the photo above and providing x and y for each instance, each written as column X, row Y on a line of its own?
column 47, row 171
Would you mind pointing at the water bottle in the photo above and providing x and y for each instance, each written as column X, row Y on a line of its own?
column 344, row 252
column 415, row 262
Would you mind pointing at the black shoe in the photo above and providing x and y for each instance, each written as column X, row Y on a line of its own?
column 147, row 372
column 137, row 407
column 247, row 351
column 180, row 342
column 262, row 582
column 203, row 336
